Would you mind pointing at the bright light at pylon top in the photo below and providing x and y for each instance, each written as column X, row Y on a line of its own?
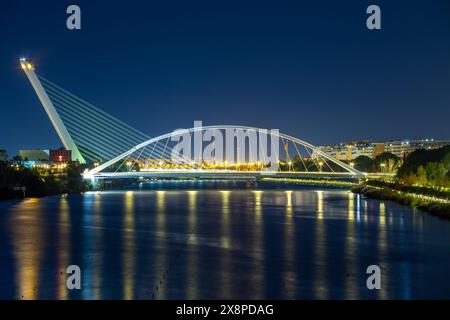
column 26, row 64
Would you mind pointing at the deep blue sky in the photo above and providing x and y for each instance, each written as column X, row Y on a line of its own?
column 309, row 68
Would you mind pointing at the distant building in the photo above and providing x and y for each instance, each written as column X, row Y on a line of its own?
column 360, row 150
column 378, row 148
column 34, row 155
column 429, row 144
column 3, row 155
column 351, row 150
column 405, row 147
column 60, row 155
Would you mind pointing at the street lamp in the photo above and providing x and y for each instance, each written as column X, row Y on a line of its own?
column 289, row 164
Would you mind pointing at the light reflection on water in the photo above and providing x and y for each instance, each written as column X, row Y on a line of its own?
column 192, row 251
column 128, row 246
column 27, row 231
column 229, row 243
column 63, row 244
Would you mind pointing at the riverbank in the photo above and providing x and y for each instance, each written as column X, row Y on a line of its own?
column 436, row 206
column 18, row 182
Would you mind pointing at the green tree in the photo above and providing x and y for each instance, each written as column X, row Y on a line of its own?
column 364, row 163
column 421, row 178
column 386, row 163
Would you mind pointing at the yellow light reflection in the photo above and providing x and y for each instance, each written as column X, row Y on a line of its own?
column 97, row 274
column 382, row 250
column 192, row 255
column 257, row 276
column 319, row 204
column 63, row 248
column 225, row 243
column 382, row 214
column 289, row 202
column 320, row 247
column 290, row 266
column 128, row 246
column 28, row 238
column 257, row 194
column 161, row 256
column 351, row 206
column 225, row 238
column 351, row 289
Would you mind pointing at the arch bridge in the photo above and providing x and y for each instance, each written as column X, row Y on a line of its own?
column 225, row 151
column 115, row 150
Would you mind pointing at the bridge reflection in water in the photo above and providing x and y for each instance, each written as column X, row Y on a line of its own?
column 229, row 243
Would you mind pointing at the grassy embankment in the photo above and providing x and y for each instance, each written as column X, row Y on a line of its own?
column 433, row 201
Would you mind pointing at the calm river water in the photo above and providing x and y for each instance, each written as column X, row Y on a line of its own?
column 211, row 240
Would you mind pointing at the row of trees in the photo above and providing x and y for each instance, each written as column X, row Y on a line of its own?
column 426, row 168
column 19, row 181
column 385, row 163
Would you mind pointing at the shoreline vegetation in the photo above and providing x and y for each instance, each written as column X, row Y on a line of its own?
column 424, row 201
column 19, row 182
column 421, row 180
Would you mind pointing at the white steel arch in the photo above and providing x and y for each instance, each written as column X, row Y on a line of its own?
column 91, row 173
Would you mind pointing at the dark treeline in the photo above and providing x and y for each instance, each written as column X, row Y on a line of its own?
column 422, row 176
column 17, row 181
column 385, row 162
column 427, row 168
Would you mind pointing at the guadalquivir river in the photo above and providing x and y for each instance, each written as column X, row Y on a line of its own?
column 211, row 240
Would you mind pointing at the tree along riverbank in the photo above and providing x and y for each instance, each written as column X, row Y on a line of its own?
column 18, row 182
column 435, row 202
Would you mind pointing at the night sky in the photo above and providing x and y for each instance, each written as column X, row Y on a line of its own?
column 310, row 68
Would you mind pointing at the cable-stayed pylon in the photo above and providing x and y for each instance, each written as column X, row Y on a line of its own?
column 91, row 134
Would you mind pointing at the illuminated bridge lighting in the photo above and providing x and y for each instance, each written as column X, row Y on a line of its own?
column 115, row 149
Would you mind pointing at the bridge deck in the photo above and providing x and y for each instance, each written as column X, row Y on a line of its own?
column 223, row 174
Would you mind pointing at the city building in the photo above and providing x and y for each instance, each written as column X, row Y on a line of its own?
column 349, row 151
column 378, row 148
column 34, row 155
column 3, row 155
column 60, row 155
column 405, row 147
